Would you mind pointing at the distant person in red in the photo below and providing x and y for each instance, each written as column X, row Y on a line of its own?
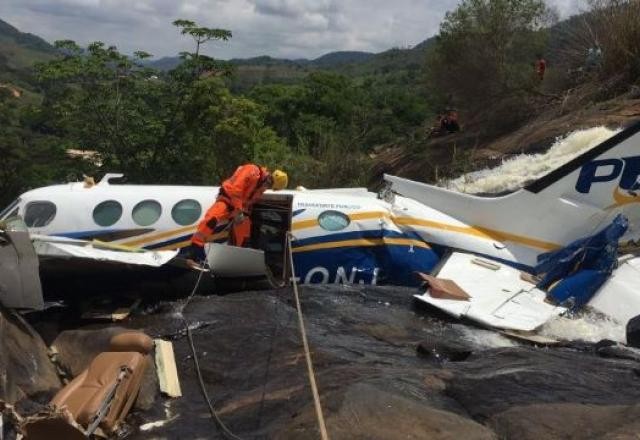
column 445, row 123
column 450, row 121
column 541, row 67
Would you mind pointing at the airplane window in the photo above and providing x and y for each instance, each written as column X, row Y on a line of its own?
column 39, row 214
column 186, row 212
column 146, row 212
column 333, row 220
column 107, row 213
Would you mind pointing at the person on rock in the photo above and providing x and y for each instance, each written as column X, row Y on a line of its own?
column 540, row 66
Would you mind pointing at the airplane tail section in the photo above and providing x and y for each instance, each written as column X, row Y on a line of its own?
column 570, row 202
column 606, row 176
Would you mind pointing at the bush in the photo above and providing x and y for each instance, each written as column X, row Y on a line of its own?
column 603, row 42
column 486, row 49
column 616, row 27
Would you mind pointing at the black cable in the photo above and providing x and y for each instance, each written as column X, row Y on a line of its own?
column 218, row 422
column 265, row 379
column 220, row 425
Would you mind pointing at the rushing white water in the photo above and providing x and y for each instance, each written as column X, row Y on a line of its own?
column 587, row 326
column 484, row 338
column 514, row 172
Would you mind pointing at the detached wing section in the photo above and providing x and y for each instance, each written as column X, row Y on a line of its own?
column 61, row 248
column 498, row 297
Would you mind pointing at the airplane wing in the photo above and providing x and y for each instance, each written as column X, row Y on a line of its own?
column 56, row 247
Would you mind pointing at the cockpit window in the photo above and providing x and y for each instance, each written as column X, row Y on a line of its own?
column 333, row 220
column 39, row 214
column 107, row 213
column 186, row 212
column 146, row 212
column 10, row 211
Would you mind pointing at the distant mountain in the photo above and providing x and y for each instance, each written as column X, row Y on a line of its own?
column 164, row 63
column 20, row 50
column 327, row 61
column 335, row 59
column 266, row 60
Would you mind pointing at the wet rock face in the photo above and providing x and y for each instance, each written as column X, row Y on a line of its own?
column 496, row 380
column 372, row 382
column 365, row 411
column 568, row 421
column 441, row 349
column 25, row 368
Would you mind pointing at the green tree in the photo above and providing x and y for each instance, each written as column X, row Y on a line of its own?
column 30, row 158
column 184, row 127
column 485, row 52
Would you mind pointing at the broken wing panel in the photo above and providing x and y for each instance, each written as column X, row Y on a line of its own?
column 499, row 298
column 619, row 297
column 58, row 248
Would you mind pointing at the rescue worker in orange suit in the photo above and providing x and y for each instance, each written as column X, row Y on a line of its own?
column 235, row 199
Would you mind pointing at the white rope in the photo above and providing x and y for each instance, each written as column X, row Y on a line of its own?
column 305, row 343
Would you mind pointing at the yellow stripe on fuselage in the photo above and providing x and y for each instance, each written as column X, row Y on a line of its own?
column 159, row 236
column 363, row 242
column 475, row 231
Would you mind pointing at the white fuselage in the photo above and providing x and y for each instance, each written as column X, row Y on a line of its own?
column 346, row 235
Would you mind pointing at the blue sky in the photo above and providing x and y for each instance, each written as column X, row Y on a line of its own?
column 280, row 28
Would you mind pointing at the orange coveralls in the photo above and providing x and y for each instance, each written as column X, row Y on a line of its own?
column 237, row 195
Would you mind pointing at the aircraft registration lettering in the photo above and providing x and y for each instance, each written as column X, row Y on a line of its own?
column 607, row 170
column 321, row 275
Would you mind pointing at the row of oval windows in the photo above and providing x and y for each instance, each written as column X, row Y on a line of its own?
column 147, row 212
column 107, row 213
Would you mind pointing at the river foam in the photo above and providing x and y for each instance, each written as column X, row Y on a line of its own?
column 516, row 171
column 586, row 326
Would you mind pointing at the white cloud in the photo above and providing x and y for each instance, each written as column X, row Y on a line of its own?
column 281, row 28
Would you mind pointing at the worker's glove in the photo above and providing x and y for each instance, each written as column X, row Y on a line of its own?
column 194, row 252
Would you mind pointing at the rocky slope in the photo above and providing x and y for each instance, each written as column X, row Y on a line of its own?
column 431, row 160
column 386, row 369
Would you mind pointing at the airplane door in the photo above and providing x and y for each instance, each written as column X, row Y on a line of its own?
column 19, row 271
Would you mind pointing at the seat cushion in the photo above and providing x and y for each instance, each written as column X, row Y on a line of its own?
column 131, row 341
column 83, row 396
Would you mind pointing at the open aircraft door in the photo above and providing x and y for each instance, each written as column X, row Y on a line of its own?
column 19, row 269
column 267, row 256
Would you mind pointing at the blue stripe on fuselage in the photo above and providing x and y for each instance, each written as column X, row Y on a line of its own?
column 83, row 234
column 395, row 264
column 354, row 235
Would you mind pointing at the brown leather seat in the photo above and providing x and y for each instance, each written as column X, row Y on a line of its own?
column 103, row 394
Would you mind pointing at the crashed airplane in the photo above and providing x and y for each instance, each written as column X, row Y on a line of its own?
column 349, row 235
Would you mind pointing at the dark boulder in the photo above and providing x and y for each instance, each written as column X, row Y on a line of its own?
column 366, row 412
column 619, row 351
column 633, row 332
column 568, row 421
column 443, row 349
column 25, row 367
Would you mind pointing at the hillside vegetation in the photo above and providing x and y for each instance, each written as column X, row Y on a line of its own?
column 19, row 52
column 340, row 120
